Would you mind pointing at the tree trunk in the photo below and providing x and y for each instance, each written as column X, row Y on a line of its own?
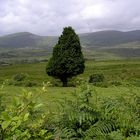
column 64, row 81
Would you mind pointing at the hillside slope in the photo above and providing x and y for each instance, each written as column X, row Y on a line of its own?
column 109, row 38
column 102, row 39
column 103, row 44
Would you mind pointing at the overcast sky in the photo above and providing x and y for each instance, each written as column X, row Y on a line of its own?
column 48, row 17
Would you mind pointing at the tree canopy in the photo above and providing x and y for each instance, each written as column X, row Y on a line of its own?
column 67, row 59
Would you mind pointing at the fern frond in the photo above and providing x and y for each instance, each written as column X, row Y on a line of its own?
column 99, row 129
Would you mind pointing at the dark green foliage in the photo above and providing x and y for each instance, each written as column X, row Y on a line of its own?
column 96, row 78
column 67, row 60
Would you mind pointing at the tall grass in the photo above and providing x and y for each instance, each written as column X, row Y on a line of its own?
column 83, row 116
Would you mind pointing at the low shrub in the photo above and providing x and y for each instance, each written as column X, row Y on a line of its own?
column 76, row 81
column 96, row 79
column 19, row 77
column 55, row 82
column 23, row 118
column 30, row 84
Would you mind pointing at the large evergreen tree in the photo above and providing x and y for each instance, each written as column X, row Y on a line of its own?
column 67, row 59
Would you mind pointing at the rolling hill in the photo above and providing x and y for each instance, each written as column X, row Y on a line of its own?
column 109, row 38
column 101, row 39
column 104, row 44
column 25, row 40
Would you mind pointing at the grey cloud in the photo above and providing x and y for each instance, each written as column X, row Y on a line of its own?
column 48, row 17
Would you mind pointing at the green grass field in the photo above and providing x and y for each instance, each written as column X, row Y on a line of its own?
column 126, row 73
column 111, row 108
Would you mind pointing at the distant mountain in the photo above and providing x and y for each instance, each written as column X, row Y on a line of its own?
column 19, row 40
column 26, row 40
column 109, row 43
column 109, row 38
column 102, row 39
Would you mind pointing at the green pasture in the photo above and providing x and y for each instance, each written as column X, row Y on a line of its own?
column 124, row 71
column 52, row 96
column 121, row 87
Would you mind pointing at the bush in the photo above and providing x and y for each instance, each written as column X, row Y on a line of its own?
column 30, row 84
column 19, row 77
column 23, row 118
column 55, row 82
column 96, row 78
column 76, row 81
